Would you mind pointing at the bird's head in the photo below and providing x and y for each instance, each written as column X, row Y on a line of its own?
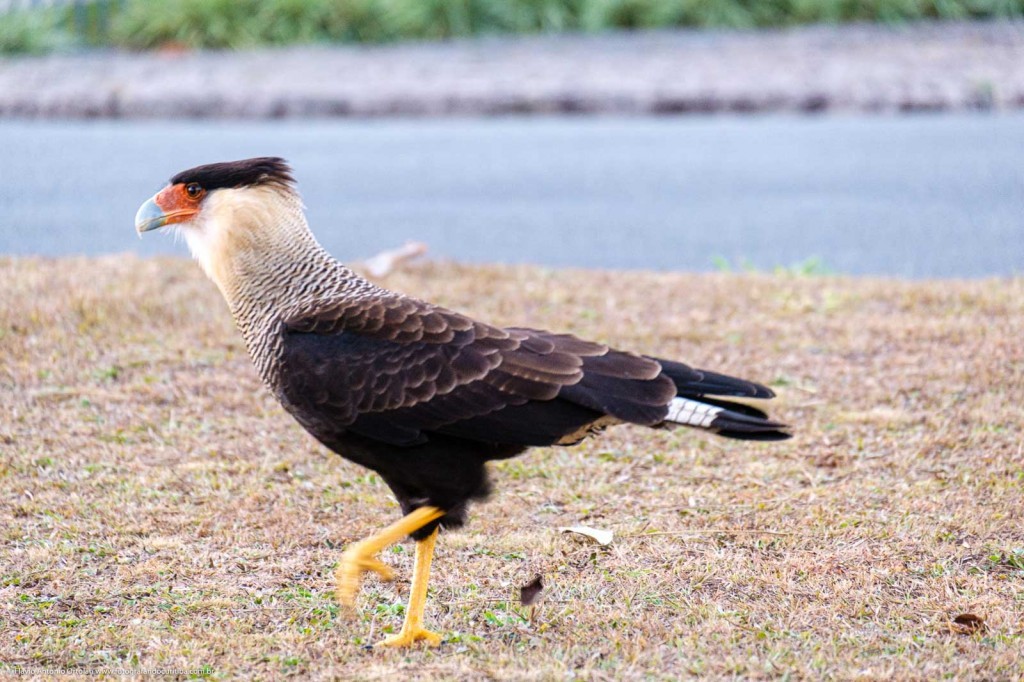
column 236, row 215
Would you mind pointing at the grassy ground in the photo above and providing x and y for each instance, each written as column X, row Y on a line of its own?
column 160, row 510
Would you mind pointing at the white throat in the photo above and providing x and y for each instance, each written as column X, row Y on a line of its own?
column 245, row 236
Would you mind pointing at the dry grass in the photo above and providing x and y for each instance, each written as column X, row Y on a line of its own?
column 160, row 510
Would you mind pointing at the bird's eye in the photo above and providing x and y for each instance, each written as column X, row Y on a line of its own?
column 193, row 190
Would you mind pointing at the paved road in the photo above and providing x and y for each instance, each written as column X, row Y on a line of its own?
column 918, row 196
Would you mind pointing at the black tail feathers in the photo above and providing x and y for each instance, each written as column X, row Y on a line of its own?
column 731, row 419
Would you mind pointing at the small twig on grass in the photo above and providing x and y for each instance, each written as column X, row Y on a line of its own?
column 741, row 626
column 726, row 531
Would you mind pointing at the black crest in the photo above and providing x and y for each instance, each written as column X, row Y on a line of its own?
column 259, row 171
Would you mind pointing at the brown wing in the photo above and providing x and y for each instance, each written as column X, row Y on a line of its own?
column 396, row 369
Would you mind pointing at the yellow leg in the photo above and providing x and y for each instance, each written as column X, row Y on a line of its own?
column 412, row 630
column 362, row 557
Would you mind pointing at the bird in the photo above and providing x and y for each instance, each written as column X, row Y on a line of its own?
column 422, row 395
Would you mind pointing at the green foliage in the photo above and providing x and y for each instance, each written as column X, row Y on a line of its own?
column 247, row 23
column 811, row 267
column 195, row 23
column 231, row 24
column 25, row 32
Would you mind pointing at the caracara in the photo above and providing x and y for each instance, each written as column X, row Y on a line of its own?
column 422, row 395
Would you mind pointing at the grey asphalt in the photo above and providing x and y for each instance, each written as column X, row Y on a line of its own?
column 917, row 196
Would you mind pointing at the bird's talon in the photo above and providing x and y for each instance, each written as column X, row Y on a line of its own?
column 409, row 636
column 354, row 562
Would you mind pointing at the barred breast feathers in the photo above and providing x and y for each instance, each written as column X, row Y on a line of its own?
column 255, row 244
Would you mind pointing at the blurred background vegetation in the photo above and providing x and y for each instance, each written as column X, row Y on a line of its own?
column 27, row 26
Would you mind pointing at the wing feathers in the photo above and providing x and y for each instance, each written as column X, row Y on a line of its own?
column 623, row 365
column 520, row 385
column 698, row 382
column 552, row 363
column 395, row 369
column 567, row 343
column 532, row 423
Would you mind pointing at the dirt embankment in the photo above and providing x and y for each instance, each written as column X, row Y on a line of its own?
column 929, row 66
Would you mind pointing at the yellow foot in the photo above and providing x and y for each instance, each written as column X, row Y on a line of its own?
column 357, row 559
column 409, row 636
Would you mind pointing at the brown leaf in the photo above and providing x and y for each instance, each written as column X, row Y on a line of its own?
column 967, row 624
column 384, row 263
column 529, row 593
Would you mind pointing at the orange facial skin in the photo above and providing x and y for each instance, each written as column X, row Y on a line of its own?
column 177, row 205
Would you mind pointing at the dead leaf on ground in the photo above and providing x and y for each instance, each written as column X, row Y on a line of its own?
column 529, row 593
column 967, row 624
column 601, row 537
column 386, row 262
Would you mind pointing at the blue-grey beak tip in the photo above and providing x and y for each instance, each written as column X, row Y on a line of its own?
column 149, row 217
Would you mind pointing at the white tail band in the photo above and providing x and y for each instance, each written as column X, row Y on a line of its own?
column 691, row 412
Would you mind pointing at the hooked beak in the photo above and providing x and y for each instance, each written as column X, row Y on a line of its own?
column 149, row 217
column 170, row 205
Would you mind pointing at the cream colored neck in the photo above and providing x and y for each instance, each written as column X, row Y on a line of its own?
column 255, row 245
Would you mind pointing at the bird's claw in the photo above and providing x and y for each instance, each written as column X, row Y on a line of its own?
column 409, row 636
column 357, row 560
